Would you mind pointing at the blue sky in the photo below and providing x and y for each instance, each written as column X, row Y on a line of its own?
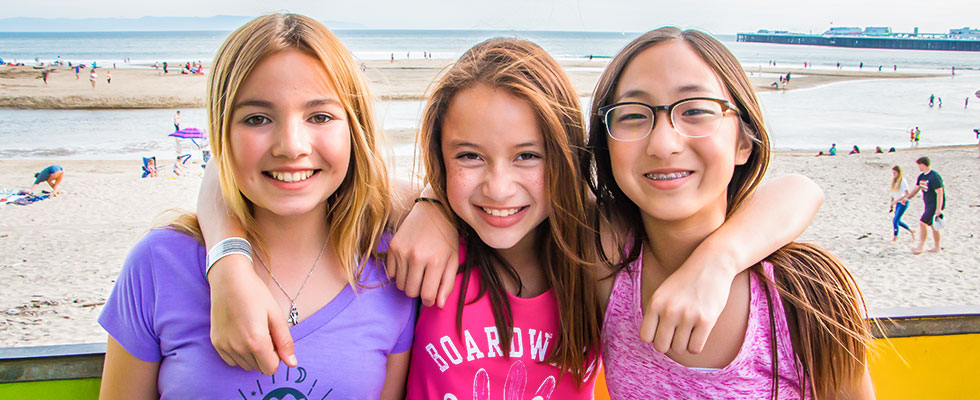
column 715, row 16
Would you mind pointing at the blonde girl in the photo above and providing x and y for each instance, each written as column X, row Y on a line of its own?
column 679, row 144
column 899, row 189
column 293, row 134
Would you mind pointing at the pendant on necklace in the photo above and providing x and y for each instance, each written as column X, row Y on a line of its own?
column 293, row 315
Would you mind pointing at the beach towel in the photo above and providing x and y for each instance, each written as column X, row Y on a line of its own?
column 23, row 198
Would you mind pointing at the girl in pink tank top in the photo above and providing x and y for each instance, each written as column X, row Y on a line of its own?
column 678, row 129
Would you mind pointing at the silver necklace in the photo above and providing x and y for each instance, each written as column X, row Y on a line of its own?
column 293, row 317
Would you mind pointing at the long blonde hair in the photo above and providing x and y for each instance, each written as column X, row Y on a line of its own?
column 898, row 178
column 825, row 308
column 567, row 253
column 358, row 210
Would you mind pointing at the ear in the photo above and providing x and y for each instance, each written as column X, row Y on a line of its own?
column 744, row 149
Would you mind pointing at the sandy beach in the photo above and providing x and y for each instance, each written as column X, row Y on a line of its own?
column 60, row 257
column 22, row 87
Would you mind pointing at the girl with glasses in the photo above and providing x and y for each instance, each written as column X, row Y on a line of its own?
column 679, row 145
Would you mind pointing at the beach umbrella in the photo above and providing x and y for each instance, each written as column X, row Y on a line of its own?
column 189, row 133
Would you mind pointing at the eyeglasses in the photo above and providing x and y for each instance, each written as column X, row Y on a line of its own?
column 694, row 117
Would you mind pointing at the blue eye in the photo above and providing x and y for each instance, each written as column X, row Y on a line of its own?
column 256, row 120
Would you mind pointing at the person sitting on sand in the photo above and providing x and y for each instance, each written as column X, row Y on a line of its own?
column 878, row 150
column 53, row 175
column 833, row 150
column 855, row 150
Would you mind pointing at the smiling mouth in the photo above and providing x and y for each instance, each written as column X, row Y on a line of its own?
column 502, row 212
column 668, row 177
column 290, row 177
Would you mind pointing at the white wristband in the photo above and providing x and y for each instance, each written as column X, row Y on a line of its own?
column 229, row 246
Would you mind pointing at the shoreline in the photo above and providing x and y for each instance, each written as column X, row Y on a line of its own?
column 137, row 88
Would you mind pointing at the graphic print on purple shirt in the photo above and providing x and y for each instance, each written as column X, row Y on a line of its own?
column 159, row 311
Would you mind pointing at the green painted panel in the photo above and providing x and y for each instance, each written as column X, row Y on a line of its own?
column 80, row 389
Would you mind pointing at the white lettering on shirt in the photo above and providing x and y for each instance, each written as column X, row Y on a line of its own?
column 493, row 342
column 441, row 362
column 472, row 351
column 447, row 344
column 538, row 350
column 516, row 343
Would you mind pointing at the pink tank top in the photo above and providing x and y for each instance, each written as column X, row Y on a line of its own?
column 635, row 370
column 450, row 365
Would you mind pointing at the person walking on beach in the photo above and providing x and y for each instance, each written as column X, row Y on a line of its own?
column 53, row 175
column 918, row 133
column 164, row 67
column 177, row 121
column 932, row 99
column 899, row 203
column 45, row 72
column 934, row 199
column 92, row 77
column 940, row 101
column 911, row 137
column 76, row 72
column 966, row 102
column 108, row 77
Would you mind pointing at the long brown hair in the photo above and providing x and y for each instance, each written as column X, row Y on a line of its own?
column 824, row 306
column 358, row 210
column 527, row 72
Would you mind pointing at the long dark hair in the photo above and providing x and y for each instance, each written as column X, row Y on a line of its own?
column 567, row 254
column 824, row 306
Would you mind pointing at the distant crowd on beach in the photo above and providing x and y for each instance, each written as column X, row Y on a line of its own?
column 46, row 68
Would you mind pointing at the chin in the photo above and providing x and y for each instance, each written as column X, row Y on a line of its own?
column 497, row 240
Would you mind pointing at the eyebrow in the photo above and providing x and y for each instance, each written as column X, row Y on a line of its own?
column 268, row 104
column 461, row 143
column 693, row 88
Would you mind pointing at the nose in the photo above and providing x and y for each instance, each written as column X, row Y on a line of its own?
column 292, row 139
column 663, row 141
column 499, row 182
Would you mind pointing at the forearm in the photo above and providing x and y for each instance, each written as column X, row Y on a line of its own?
column 216, row 221
column 776, row 214
column 939, row 200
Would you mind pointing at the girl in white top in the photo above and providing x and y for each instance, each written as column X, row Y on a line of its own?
column 899, row 202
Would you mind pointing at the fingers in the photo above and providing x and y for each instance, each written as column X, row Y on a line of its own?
column 391, row 263
column 401, row 273
column 664, row 335
column 699, row 336
column 430, row 283
column 282, row 340
column 648, row 328
column 682, row 335
column 413, row 281
column 448, row 280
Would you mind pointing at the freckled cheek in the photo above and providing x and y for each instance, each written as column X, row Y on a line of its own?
column 460, row 186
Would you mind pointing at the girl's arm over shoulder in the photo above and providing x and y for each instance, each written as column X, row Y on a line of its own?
column 683, row 310
column 126, row 377
column 247, row 326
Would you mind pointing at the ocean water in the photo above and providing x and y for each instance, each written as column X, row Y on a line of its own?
column 865, row 113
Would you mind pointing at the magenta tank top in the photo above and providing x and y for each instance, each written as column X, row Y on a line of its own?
column 635, row 370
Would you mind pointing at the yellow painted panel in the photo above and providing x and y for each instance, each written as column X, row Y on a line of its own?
column 934, row 367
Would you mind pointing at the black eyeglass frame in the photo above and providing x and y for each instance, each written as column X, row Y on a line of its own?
column 669, row 108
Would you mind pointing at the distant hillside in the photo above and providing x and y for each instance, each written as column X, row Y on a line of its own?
column 215, row 23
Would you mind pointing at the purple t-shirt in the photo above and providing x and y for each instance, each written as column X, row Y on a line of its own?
column 159, row 311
